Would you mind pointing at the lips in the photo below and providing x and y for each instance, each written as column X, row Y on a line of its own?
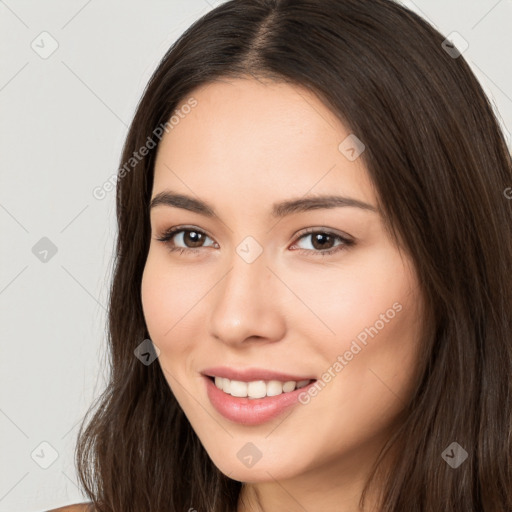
column 253, row 374
column 248, row 411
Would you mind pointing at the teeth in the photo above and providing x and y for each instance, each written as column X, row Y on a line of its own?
column 225, row 384
column 257, row 388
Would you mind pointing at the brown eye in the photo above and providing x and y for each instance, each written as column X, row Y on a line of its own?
column 324, row 242
column 184, row 239
column 193, row 238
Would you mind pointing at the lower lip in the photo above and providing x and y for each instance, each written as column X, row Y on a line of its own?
column 251, row 411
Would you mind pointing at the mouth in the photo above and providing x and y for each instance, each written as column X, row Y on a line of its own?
column 254, row 402
column 255, row 389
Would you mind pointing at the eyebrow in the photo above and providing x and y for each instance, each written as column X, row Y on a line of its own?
column 281, row 209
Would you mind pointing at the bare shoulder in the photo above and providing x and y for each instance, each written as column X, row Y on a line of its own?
column 79, row 507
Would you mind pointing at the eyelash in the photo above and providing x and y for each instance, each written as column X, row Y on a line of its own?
column 169, row 234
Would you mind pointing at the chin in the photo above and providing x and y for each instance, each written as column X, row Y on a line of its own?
column 261, row 471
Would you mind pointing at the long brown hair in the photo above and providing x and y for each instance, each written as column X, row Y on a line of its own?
column 441, row 167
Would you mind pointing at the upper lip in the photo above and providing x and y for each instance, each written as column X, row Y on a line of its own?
column 252, row 374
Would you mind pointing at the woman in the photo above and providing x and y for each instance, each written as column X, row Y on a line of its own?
column 311, row 307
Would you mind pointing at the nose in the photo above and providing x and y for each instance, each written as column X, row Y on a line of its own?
column 247, row 305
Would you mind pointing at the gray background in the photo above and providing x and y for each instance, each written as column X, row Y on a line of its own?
column 62, row 124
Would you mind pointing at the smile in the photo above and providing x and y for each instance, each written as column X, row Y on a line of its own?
column 257, row 388
column 259, row 408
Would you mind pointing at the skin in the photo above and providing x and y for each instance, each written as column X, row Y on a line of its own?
column 246, row 145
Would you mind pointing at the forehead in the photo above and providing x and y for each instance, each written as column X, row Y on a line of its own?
column 249, row 137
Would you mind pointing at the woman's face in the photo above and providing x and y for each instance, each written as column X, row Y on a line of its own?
column 249, row 289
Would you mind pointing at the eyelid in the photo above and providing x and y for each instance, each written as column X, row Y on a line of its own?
column 327, row 231
column 169, row 233
column 346, row 241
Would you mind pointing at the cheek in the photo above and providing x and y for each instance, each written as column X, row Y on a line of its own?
column 172, row 302
column 162, row 305
column 373, row 310
column 156, row 300
column 166, row 298
column 358, row 294
column 379, row 342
